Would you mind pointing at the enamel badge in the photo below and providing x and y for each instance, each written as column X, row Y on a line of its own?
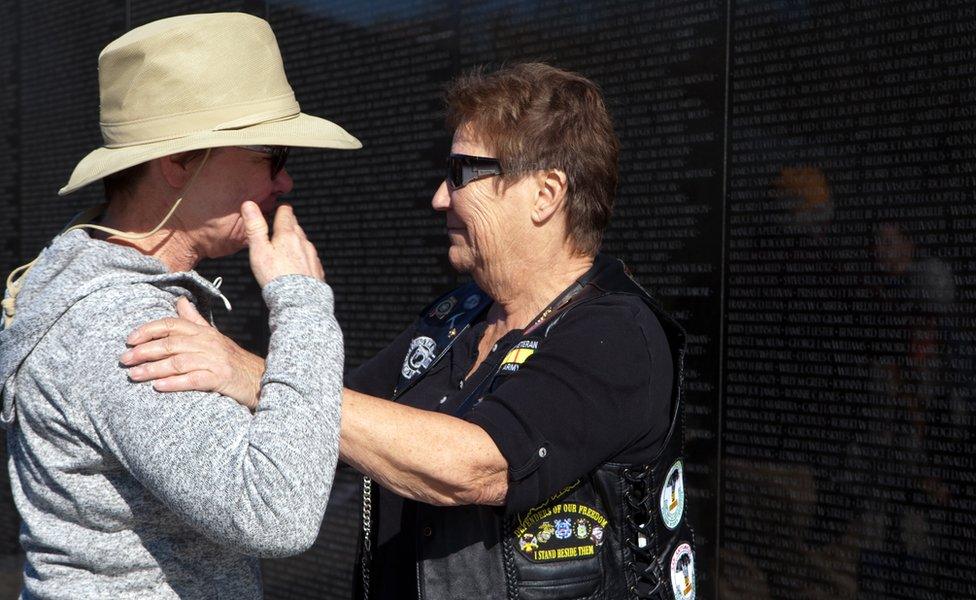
column 683, row 573
column 672, row 499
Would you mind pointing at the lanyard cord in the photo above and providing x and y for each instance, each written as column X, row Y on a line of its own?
column 562, row 302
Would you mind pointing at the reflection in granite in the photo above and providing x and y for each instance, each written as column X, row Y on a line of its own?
column 798, row 186
column 847, row 431
column 11, row 567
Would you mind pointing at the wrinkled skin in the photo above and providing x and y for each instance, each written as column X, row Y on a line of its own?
column 187, row 353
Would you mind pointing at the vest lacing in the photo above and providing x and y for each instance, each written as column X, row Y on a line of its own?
column 640, row 532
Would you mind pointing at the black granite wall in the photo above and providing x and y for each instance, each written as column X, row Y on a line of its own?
column 797, row 185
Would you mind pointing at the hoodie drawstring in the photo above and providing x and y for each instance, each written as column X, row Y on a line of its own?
column 216, row 284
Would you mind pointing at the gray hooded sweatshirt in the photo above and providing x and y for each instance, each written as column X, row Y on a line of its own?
column 125, row 492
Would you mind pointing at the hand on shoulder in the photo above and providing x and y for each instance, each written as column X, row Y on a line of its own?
column 187, row 353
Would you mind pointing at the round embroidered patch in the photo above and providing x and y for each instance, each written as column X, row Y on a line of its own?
column 673, row 496
column 419, row 356
column 471, row 301
column 443, row 308
column 683, row 573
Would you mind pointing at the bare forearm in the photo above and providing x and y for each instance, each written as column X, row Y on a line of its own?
column 421, row 455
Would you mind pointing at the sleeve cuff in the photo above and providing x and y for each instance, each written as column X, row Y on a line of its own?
column 296, row 290
column 524, row 455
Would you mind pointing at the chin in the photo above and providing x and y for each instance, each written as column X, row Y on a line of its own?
column 460, row 260
column 230, row 247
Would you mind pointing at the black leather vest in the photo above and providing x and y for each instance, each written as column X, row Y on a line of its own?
column 619, row 532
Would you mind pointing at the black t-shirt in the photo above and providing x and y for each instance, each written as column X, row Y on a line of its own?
column 597, row 390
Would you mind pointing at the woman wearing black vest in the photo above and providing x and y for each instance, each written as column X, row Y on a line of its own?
column 533, row 445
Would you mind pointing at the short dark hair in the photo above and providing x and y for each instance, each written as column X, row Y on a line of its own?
column 534, row 116
column 125, row 181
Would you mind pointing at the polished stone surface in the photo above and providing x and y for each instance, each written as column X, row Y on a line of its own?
column 797, row 187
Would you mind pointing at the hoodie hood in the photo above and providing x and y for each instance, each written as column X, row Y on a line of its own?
column 73, row 267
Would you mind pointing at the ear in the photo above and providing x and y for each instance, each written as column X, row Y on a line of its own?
column 551, row 195
column 176, row 169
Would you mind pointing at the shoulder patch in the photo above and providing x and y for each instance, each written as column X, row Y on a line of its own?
column 518, row 355
column 419, row 356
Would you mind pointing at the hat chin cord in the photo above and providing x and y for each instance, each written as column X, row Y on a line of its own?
column 16, row 278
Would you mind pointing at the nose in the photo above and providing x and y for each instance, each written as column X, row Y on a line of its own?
column 442, row 198
column 283, row 182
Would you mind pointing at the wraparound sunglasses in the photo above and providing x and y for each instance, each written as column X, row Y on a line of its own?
column 279, row 156
column 462, row 169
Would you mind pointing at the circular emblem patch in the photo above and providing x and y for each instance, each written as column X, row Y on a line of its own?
column 419, row 356
column 443, row 308
column 471, row 301
column 683, row 573
column 673, row 496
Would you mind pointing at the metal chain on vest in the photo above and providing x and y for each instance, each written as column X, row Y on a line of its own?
column 367, row 554
column 508, row 557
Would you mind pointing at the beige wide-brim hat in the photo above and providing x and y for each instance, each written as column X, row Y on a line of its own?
column 192, row 82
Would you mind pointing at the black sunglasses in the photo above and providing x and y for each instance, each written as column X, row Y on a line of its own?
column 462, row 169
column 279, row 156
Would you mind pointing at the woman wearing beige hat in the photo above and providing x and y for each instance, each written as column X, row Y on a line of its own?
column 124, row 494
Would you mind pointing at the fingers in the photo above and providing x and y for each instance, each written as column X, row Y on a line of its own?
column 195, row 381
column 179, row 364
column 167, row 337
column 161, row 328
column 151, row 351
column 311, row 257
column 318, row 271
column 297, row 229
column 255, row 226
column 284, row 219
column 286, row 222
column 187, row 311
column 288, row 252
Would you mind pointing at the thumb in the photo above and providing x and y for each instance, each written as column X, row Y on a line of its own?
column 187, row 311
column 254, row 224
